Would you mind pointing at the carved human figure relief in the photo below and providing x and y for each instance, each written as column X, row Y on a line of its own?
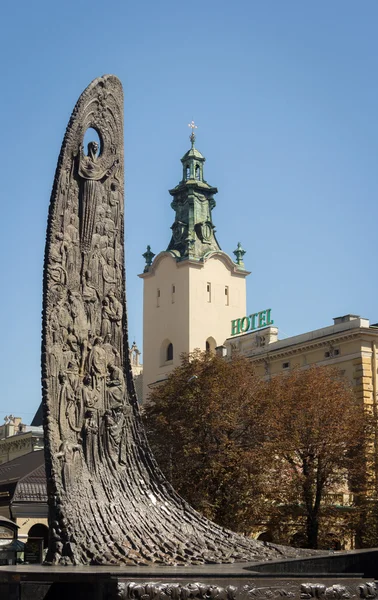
column 91, row 171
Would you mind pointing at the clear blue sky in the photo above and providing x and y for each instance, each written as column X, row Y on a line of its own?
column 285, row 95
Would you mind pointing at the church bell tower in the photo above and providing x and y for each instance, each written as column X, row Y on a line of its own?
column 192, row 290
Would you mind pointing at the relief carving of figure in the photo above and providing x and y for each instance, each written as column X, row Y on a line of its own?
column 66, row 399
column 100, row 215
column 91, row 173
column 63, row 318
column 115, row 388
column 96, row 267
column 114, row 201
column 106, row 327
column 73, row 251
column 67, row 452
column 72, row 372
column 72, row 342
column 78, row 315
column 108, row 275
column 108, row 222
column 98, row 233
column 115, row 316
column 74, row 402
column 104, row 242
column 97, row 365
column 90, row 297
column 114, row 435
column 90, row 439
column 108, row 253
column 55, row 365
column 69, row 357
column 90, row 395
column 58, row 253
column 112, row 354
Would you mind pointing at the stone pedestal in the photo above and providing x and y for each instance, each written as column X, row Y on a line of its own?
column 328, row 577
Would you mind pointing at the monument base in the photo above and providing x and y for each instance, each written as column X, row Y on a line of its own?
column 339, row 576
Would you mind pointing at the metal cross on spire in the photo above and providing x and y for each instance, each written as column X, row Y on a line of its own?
column 192, row 138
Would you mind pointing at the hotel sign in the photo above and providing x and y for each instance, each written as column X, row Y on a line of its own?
column 254, row 321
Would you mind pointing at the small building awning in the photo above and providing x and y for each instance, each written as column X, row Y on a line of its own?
column 16, row 546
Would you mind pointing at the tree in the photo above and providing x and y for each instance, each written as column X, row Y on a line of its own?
column 246, row 451
column 203, row 424
column 315, row 427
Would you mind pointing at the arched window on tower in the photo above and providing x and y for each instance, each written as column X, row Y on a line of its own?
column 166, row 352
column 188, row 171
column 210, row 345
column 198, row 172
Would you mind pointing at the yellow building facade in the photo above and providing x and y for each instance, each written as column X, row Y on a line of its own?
column 350, row 344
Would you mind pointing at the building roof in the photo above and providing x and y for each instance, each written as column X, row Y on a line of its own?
column 14, row 470
column 38, row 417
column 32, row 487
column 5, row 521
column 192, row 153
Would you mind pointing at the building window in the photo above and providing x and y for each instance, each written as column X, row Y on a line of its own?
column 170, row 352
column 173, row 293
column 208, row 291
column 285, row 365
column 226, row 295
column 187, row 171
column 197, row 172
column 158, row 297
column 210, row 345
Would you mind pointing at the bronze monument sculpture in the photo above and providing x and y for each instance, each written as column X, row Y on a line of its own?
column 108, row 501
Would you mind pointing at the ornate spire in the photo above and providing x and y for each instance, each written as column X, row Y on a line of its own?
column 239, row 253
column 193, row 232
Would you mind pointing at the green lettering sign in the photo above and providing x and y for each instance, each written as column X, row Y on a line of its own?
column 245, row 324
column 262, row 319
column 235, row 327
column 254, row 321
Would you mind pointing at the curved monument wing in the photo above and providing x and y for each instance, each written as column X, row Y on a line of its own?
column 108, row 501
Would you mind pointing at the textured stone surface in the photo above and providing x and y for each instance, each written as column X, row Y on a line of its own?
column 108, row 501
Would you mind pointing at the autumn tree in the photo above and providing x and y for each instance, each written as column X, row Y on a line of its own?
column 315, row 427
column 246, row 451
column 204, row 424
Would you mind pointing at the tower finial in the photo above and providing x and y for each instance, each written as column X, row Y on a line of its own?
column 148, row 257
column 239, row 253
column 192, row 137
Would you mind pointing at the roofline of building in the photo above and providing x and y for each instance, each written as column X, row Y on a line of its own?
column 302, row 342
column 223, row 256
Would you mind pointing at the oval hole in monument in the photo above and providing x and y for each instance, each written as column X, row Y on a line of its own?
column 91, row 135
